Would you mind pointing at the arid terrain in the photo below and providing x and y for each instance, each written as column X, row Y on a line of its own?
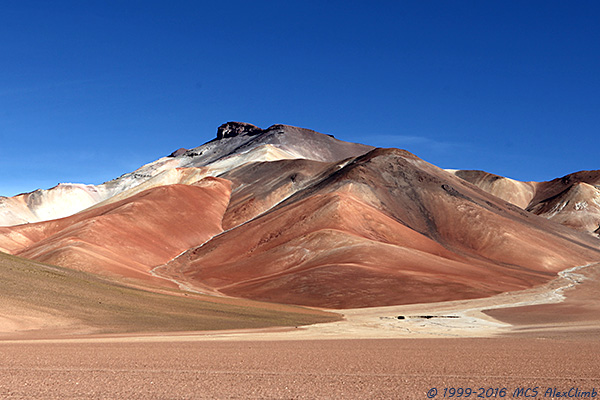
column 547, row 347
column 385, row 368
column 284, row 263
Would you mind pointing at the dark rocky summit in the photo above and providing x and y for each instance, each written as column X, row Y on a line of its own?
column 232, row 129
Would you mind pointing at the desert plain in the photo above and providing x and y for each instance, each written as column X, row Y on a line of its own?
column 542, row 338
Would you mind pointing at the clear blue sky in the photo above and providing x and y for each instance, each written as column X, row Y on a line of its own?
column 90, row 90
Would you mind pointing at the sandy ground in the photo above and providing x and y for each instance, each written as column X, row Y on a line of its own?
column 323, row 369
column 372, row 354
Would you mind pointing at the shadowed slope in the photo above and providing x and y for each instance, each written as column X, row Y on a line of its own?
column 385, row 228
column 39, row 299
column 556, row 186
column 573, row 200
column 127, row 238
column 257, row 187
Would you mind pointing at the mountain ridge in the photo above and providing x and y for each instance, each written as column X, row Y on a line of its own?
column 244, row 248
column 289, row 215
column 551, row 199
column 279, row 140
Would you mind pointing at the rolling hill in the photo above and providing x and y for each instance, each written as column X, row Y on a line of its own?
column 573, row 200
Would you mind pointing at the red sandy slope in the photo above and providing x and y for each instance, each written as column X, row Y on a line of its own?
column 388, row 228
column 127, row 238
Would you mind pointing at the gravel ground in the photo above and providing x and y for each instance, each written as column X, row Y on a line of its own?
column 322, row 369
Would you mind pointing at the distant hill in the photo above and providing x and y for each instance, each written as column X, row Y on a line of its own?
column 573, row 200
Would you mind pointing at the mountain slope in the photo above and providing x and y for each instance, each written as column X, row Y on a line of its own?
column 43, row 299
column 515, row 192
column 236, row 144
column 128, row 237
column 573, row 200
column 577, row 207
column 384, row 228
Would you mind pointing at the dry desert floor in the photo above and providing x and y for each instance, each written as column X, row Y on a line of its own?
column 545, row 339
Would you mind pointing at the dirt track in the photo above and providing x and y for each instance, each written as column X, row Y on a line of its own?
column 402, row 369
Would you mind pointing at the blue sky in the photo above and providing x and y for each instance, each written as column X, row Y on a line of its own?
column 90, row 90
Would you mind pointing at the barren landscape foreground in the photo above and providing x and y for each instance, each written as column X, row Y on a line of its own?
column 545, row 347
column 284, row 263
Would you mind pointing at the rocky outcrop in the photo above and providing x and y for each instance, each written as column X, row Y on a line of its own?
column 233, row 129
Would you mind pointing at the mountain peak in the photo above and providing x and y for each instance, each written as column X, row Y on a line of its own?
column 232, row 129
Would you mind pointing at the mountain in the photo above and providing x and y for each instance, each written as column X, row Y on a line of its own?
column 573, row 200
column 145, row 218
column 289, row 215
column 236, row 143
column 382, row 228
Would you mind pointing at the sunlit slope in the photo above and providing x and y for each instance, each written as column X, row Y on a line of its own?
column 572, row 201
column 383, row 228
column 129, row 237
column 42, row 298
column 515, row 192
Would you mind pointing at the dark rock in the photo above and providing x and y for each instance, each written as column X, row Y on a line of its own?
column 453, row 192
column 232, row 129
column 178, row 152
